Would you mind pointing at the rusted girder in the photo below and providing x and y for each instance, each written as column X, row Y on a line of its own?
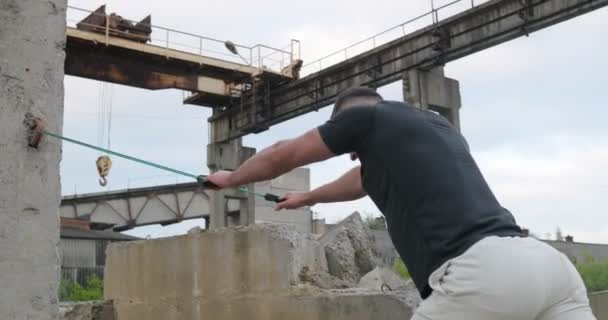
column 489, row 24
column 134, row 72
column 106, row 58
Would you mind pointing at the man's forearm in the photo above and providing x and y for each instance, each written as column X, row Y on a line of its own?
column 280, row 158
column 346, row 188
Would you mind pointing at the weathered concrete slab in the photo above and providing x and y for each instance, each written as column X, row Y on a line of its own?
column 599, row 304
column 32, row 37
column 213, row 263
column 296, row 305
column 251, row 272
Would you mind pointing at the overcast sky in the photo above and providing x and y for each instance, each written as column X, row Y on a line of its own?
column 534, row 109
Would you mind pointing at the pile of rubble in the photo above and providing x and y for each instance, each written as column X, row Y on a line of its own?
column 352, row 263
column 264, row 271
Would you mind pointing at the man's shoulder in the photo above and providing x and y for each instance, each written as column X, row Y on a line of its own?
column 390, row 106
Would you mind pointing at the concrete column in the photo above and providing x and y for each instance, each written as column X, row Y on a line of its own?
column 431, row 90
column 32, row 38
column 229, row 156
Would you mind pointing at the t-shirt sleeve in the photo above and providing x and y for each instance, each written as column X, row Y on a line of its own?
column 348, row 130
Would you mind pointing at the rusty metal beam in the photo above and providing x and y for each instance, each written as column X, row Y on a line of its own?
column 106, row 58
column 486, row 25
column 109, row 68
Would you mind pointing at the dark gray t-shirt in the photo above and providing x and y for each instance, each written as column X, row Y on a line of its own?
column 418, row 170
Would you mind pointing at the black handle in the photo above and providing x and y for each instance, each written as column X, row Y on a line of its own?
column 273, row 198
column 205, row 183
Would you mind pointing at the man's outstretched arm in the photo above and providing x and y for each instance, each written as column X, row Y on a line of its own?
column 346, row 188
column 275, row 160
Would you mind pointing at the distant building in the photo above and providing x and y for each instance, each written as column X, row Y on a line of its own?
column 576, row 251
column 297, row 180
column 83, row 249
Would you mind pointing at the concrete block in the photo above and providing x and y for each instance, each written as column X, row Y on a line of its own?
column 599, row 304
column 292, row 305
column 32, row 38
column 257, row 272
column 252, row 259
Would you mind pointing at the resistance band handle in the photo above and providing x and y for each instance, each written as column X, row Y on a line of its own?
column 273, row 198
column 205, row 183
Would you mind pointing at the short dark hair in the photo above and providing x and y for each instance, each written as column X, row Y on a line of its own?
column 355, row 92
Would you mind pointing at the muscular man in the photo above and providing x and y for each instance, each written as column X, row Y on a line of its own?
column 467, row 256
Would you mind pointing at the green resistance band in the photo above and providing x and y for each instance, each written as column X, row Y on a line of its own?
column 201, row 179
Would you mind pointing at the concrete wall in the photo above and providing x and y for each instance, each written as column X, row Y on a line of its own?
column 237, row 273
column 599, row 304
column 579, row 252
column 297, row 180
column 574, row 250
column 32, row 37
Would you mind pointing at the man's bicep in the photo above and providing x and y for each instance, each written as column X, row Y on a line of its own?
column 309, row 148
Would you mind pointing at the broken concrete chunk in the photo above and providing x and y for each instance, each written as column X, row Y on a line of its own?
column 237, row 273
column 195, row 230
column 90, row 310
column 382, row 277
column 322, row 279
column 348, row 249
column 386, row 280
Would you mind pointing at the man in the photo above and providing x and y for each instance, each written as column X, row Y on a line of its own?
column 467, row 256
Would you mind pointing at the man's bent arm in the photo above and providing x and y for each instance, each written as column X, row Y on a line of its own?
column 346, row 188
column 280, row 158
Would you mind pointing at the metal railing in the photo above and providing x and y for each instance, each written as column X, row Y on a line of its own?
column 258, row 56
column 80, row 275
column 431, row 17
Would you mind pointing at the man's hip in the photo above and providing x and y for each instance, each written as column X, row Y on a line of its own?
column 506, row 278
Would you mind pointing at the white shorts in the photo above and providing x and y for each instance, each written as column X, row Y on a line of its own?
column 506, row 278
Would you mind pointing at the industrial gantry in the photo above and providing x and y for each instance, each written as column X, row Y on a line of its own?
column 251, row 89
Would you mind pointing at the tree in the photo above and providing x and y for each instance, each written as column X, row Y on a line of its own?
column 374, row 223
column 400, row 268
column 594, row 274
column 70, row 290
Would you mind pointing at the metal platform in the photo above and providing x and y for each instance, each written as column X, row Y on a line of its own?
column 113, row 49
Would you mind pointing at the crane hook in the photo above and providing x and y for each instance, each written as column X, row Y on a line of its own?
column 104, row 164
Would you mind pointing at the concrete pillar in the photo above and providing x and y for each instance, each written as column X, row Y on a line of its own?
column 229, row 156
column 32, row 38
column 431, row 90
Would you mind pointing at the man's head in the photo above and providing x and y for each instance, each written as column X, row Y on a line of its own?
column 357, row 96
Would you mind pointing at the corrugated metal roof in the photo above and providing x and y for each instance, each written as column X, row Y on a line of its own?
column 75, row 233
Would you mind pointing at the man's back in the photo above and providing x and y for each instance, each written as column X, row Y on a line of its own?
column 418, row 171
